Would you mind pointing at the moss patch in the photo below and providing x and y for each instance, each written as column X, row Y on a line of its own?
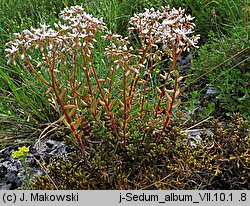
column 221, row 161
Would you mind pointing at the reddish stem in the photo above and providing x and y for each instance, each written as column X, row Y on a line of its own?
column 173, row 65
column 35, row 72
column 125, row 106
column 111, row 82
column 145, row 87
column 90, row 59
column 162, row 91
column 169, row 112
column 54, row 86
column 136, row 76
column 86, row 72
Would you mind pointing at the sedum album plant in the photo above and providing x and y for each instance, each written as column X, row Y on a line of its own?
column 117, row 83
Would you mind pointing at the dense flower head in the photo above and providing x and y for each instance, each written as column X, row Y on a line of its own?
column 76, row 17
column 120, row 52
column 169, row 27
column 119, row 46
column 146, row 23
column 77, row 31
column 21, row 153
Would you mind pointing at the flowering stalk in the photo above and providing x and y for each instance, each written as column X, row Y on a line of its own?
column 125, row 115
column 66, row 54
column 60, row 51
column 175, row 94
column 172, row 29
column 103, row 96
column 22, row 154
column 68, row 122
column 163, row 90
column 145, row 87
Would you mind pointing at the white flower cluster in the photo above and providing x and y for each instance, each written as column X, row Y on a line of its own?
column 120, row 52
column 77, row 32
column 74, row 35
column 170, row 27
column 119, row 47
column 146, row 23
column 76, row 17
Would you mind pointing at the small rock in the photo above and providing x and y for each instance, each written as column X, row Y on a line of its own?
column 11, row 171
column 211, row 91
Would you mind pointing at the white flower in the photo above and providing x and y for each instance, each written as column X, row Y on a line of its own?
column 181, row 44
column 50, row 46
column 12, row 50
column 26, row 32
column 117, row 36
column 63, row 26
column 77, row 8
column 44, row 26
column 113, row 46
column 136, row 71
column 125, row 58
column 127, row 73
column 18, row 35
column 125, row 48
column 22, row 56
column 84, row 44
column 91, row 45
column 189, row 18
column 142, row 65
